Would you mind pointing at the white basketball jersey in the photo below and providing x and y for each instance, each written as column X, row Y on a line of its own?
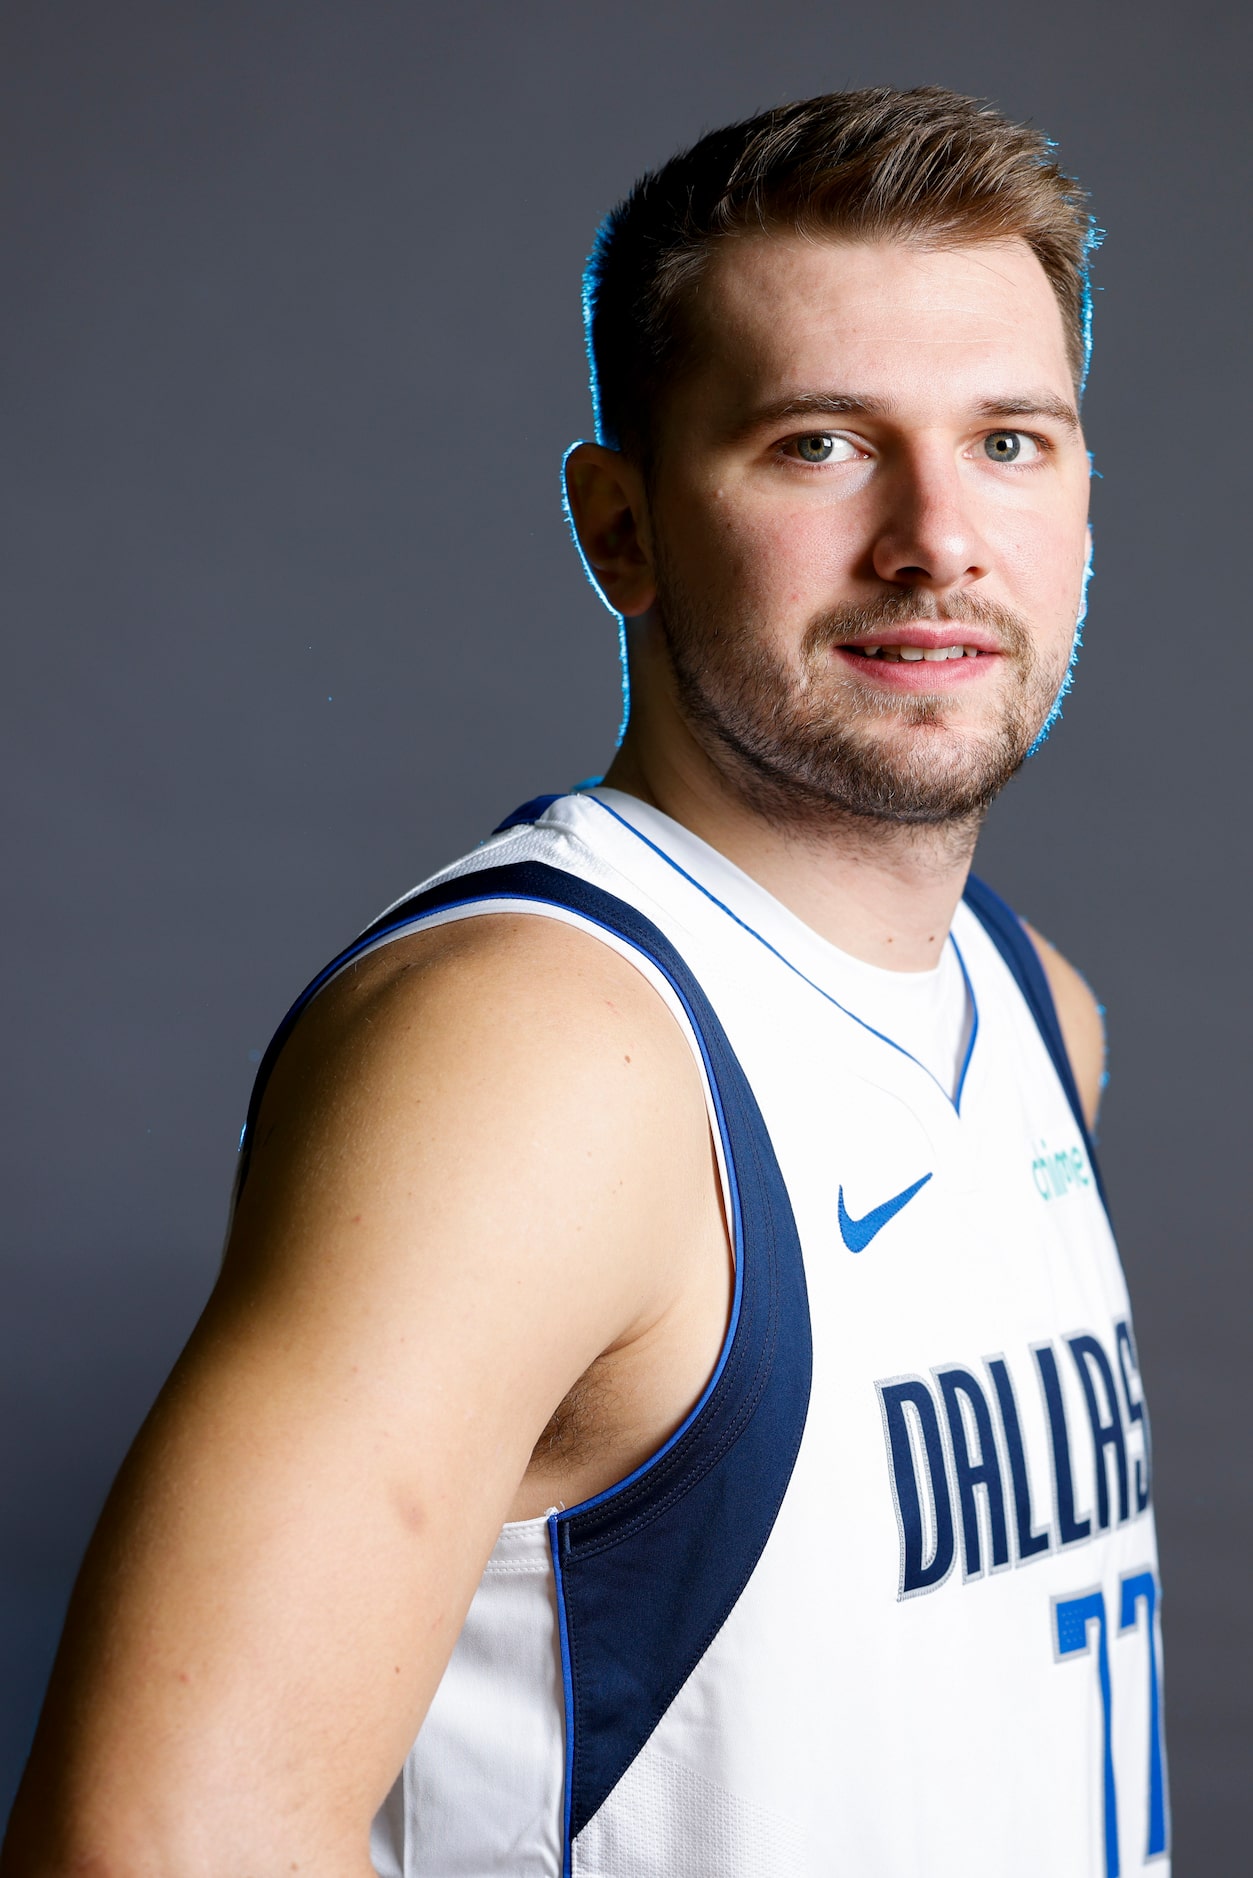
column 887, row 1605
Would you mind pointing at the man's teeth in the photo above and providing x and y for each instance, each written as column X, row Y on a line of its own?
column 933, row 654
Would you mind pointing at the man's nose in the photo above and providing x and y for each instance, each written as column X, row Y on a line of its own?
column 928, row 535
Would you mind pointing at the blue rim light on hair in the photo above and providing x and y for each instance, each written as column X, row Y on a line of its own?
column 590, row 282
column 1095, row 237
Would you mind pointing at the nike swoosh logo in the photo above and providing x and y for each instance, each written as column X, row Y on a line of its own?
column 857, row 1233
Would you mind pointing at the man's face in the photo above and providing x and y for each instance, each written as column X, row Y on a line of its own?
column 868, row 522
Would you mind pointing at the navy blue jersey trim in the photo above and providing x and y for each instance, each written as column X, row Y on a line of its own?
column 1014, row 943
column 529, row 812
column 648, row 1571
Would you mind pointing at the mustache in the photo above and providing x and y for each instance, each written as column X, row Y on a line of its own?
column 857, row 620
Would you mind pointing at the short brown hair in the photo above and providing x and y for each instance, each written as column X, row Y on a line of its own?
column 926, row 165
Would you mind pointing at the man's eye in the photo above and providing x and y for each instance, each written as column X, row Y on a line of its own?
column 822, row 446
column 1011, row 446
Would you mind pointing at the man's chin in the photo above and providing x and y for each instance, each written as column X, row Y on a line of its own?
column 905, row 782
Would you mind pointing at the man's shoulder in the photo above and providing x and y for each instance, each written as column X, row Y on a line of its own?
column 516, row 1014
column 514, row 968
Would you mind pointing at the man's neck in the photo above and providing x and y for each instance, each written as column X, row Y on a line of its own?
column 882, row 891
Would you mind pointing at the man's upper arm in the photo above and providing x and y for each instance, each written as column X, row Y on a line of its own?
column 442, row 1228
column 1082, row 1023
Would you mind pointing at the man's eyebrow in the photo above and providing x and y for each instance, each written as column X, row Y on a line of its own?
column 807, row 405
column 1035, row 404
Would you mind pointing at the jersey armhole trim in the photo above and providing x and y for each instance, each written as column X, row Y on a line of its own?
column 681, row 1535
column 1017, row 949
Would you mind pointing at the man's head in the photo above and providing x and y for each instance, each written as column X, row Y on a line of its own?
column 838, row 352
column 926, row 167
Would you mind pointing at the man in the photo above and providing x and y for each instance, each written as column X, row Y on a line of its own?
column 671, row 1361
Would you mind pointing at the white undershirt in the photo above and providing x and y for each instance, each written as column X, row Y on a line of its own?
column 928, row 1014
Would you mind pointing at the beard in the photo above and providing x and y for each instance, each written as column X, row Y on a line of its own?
column 807, row 742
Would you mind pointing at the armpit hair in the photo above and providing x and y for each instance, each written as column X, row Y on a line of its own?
column 579, row 1424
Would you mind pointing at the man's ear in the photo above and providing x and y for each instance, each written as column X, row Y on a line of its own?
column 605, row 495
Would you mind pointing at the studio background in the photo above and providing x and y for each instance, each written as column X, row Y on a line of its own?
column 292, row 350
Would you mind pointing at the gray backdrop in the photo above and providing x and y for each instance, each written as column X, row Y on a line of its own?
column 292, row 352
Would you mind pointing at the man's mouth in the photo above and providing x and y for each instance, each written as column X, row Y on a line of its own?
column 933, row 655
column 955, row 645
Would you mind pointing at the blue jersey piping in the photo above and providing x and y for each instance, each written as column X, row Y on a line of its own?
column 567, row 1696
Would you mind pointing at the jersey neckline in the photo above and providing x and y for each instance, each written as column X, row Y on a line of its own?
column 765, row 918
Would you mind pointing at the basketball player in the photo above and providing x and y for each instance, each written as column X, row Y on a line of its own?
column 670, row 1406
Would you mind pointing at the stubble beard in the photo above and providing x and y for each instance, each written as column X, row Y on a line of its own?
column 806, row 743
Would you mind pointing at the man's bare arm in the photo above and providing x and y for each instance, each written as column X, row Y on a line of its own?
column 1081, row 1020
column 445, row 1223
